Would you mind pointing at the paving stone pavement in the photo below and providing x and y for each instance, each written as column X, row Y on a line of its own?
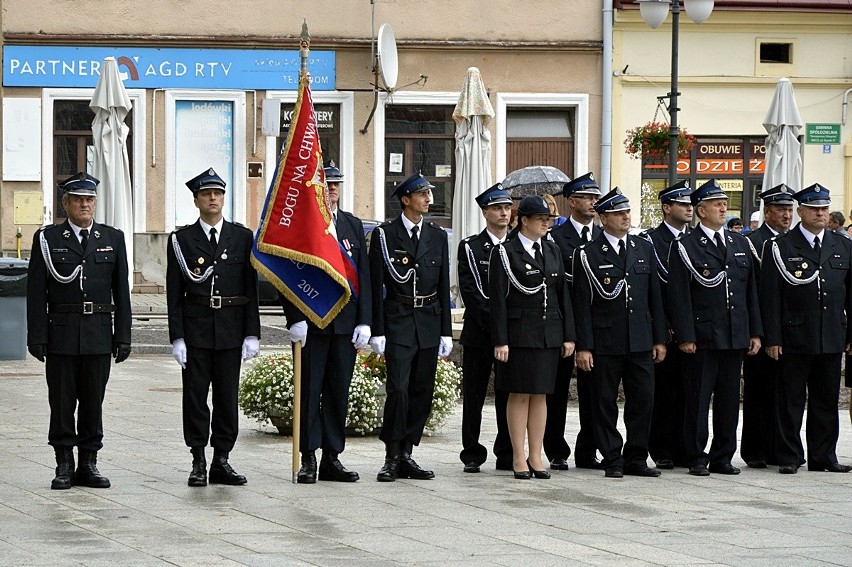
column 151, row 517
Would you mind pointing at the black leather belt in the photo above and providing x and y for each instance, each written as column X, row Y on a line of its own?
column 417, row 301
column 86, row 308
column 216, row 301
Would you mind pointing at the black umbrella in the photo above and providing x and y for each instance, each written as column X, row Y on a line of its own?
column 535, row 180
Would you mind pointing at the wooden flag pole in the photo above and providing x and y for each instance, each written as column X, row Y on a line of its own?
column 304, row 52
column 297, row 406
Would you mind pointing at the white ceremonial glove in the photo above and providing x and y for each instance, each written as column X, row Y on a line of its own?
column 446, row 347
column 251, row 346
column 299, row 332
column 361, row 336
column 179, row 352
column 378, row 344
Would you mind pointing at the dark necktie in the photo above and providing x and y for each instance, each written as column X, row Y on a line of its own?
column 622, row 250
column 414, row 239
column 719, row 243
column 816, row 245
column 84, row 238
column 585, row 234
column 213, row 242
column 334, row 216
column 538, row 257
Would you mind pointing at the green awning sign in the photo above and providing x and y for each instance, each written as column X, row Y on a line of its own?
column 822, row 133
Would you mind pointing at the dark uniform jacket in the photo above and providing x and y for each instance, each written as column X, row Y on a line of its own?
column 473, row 285
column 634, row 320
column 757, row 238
column 358, row 311
column 521, row 320
column 568, row 239
column 661, row 237
column 719, row 317
column 233, row 276
column 809, row 318
column 397, row 321
column 105, row 282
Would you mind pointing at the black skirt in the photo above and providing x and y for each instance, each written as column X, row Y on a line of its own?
column 528, row 371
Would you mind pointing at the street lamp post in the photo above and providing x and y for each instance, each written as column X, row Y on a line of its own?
column 654, row 13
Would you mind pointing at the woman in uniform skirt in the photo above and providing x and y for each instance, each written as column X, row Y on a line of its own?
column 532, row 326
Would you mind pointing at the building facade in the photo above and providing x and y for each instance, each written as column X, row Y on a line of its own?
column 728, row 70
column 200, row 75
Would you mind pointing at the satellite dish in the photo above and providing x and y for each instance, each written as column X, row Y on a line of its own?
column 388, row 61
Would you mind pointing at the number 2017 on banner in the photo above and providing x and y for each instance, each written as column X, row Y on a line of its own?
column 309, row 290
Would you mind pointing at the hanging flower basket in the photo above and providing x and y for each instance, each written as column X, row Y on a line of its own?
column 266, row 393
column 651, row 142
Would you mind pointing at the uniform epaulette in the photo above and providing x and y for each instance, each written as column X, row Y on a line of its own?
column 49, row 227
column 647, row 232
column 468, row 238
column 242, row 226
column 184, row 227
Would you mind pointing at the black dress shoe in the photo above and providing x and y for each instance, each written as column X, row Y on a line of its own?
column 643, row 470
column 665, row 464
column 544, row 475
column 390, row 470
column 830, row 467
column 408, row 468
column 87, row 471
column 471, row 467
column 221, row 471
column 594, row 464
column 559, row 464
column 699, row 470
column 756, row 464
column 330, row 468
column 726, row 468
column 502, row 465
column 522, row 475
column 614, row 472
column 788, row 469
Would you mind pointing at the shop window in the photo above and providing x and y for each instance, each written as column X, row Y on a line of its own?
column 421, row 138
column 73, row 147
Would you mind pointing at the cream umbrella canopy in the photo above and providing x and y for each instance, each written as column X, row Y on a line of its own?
column 783, row 125
column 111, row 164
column 472, row 114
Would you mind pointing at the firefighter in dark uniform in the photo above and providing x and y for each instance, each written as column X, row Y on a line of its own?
column 582, row 194
column 409, row 259
column 474, row 255
column 214, row 324
column 78, row 313
column 330, row 354
column 716, row 319
column 532, row 327
column 760, row 373
column 621, row 333
column 666, row 441
column 806, row 297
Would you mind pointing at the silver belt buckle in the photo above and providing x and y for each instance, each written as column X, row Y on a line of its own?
column 216, row 301
column 418, row 301
column 88, row 308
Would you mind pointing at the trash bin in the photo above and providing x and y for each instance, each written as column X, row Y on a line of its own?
column 13, row 308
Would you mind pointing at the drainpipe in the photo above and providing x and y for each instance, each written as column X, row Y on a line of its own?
column 606, row 99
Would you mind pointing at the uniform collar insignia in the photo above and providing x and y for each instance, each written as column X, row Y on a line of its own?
column 605, row 248
column 703, row 240
column 66, row 233
column 97, row 234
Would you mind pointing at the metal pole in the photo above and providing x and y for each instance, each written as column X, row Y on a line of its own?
column 673, row 127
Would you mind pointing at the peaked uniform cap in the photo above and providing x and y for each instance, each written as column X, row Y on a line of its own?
column 416, row 182
column 80, row 183
column 677, row 193
column 814, row 196
column 613, row 201
column 206, row 180
column 583, row 185
column 494, row 195
column 707, row 192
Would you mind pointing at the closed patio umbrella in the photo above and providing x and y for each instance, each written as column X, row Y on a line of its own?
column 111, row 166
column 783, row 150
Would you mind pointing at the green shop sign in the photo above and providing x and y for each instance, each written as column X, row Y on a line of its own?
column 822, row 133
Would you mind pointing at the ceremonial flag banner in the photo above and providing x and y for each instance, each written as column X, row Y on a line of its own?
column 296, row 245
